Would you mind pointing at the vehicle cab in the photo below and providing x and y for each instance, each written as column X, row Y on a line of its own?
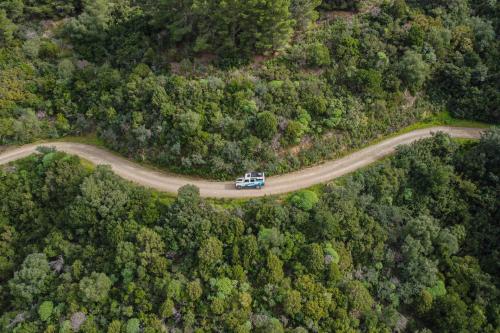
column 251, row 180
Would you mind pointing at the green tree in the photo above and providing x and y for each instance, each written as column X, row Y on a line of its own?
column 115, row 327
column 210, row 252
column 194, row 290
column 31, row 280
column 45, row 310
column 7, row 28
column 274, row 269
column 294, row 131
column 292, row 302
column 95, row 288
column 315, row 259
column 318, row 55
column 304, row 200
column 359, row 297
column 266, row 125
column 14, row 8
column 414, row 71
column 167, row 309
column 133, row 326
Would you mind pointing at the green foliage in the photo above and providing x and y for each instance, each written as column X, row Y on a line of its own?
column 218, row 88
column 359, row 297
column 45, row 310
column 413, row 70
column 292, row 302
column 318, row 55
column 210, row 252
column 7, row 28
column 438, row 290
column 329, row 250
column 341, row 4
column 266, row 125
column 151, row 78
column 314, row 258
column 95, row 287
column 133, row 326
column 304, row 199
column 365, row 248
column 167, row 309
column 227, row 28
column 31, row 280
column 294, row 131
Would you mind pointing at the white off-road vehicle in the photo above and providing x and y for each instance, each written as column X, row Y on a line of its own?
column 251, row 180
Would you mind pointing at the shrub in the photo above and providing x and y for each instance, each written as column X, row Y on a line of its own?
column 133, row 326
column 304, row 200
column 45, row 310
column 266, row 125
column 318, row 55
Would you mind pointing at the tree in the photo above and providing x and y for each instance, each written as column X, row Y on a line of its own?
column 399, row 8
column 292, row 302
column 13, row 8
column 315, row 259
column 133, row 326
column 238, row 27
column 341, row 4
column 303, row 12
column 31, row 280
column 414, row 71
column 449, row 314
column 45, row 310
column 266, row 125
column 151, row 250
column 210, row 252
column 88, row 30
column 269, row 325
column 95, row 287
column 115, row 326
column 194, row 290
column 294, row 131
column 304, row 200
column 359, row 297
column 324, row 226
column 167, row 309
column 7, row 28
column 424, row 302
column 318, row 55
column 273, row 271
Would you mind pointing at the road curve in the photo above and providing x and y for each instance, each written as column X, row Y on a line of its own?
column 274, row 185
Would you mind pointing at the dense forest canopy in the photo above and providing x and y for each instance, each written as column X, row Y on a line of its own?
column 409, row 244
column 219, row 87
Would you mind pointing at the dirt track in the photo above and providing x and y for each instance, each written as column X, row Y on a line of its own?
column 274, row 185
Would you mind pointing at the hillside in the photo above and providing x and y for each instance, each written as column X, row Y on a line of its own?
column 200, row 88
column 209, row 89
column 411, row 243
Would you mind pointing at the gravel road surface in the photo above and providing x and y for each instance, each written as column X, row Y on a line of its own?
column 274, row 185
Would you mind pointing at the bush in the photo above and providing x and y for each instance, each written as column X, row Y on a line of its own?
column 318, row 55
column 304, row 200
column 133, row 326
column 294, row 131
column 45, row 310
column 266, row 125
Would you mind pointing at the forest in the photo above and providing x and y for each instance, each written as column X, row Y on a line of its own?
column 409, row 244
column 215, row 88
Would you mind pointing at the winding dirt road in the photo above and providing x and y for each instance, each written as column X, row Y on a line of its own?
column 274, row 185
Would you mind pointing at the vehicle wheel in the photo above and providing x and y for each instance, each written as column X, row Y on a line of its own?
column 238, row 187
column 258, row 187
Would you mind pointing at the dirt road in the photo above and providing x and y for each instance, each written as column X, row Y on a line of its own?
column 274, row 185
